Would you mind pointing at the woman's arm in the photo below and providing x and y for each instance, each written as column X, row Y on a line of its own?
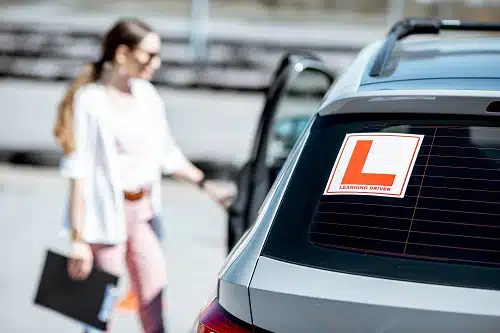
column 174, row 162
column 190, row 173
column 76, row 208
column 177, row 165
column 81, row 261
column 75, row 167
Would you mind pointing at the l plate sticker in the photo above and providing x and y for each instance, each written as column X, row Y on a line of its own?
column 376, row 164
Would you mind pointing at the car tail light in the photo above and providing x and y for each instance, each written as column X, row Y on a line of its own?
column 215, row 319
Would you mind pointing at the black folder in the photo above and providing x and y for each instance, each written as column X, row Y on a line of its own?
column 89, row 301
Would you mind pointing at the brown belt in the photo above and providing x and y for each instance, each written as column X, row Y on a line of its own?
column 135, row 196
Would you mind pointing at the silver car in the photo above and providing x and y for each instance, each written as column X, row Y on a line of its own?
column 384, row 217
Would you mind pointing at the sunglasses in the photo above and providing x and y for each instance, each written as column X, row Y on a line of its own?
column 147, row 57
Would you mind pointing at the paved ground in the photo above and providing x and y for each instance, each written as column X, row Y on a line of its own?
column 31, row 202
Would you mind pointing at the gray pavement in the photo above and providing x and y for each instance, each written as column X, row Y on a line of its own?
column 31, row 205
column 208, row 125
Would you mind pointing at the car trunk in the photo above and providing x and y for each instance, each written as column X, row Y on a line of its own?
column 292, row 298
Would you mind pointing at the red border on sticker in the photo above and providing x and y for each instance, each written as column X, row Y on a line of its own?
column 349, row 136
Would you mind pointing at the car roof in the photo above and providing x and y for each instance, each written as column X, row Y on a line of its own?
column 399, row 62
column 464, row 58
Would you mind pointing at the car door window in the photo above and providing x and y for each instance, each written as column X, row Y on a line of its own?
column 300, row 99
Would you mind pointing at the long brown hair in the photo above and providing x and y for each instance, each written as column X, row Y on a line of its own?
column 129, row 32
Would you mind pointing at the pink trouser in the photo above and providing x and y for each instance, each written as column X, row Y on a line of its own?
column 144, row 260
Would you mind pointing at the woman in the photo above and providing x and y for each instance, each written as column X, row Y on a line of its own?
column 112, row 127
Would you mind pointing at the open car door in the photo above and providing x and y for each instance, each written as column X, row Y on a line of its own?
column 296, row 90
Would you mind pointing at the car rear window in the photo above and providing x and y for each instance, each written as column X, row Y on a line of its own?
column 442, row 227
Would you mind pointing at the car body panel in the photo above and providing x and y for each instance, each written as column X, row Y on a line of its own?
column 291, row 298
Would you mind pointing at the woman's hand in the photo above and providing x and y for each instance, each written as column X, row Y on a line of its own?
column 81, row 261
column 222, row 194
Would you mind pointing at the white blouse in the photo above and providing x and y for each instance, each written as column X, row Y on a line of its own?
column 107, row 173
column 131, row 128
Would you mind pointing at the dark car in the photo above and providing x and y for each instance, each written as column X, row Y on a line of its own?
column 385, row 215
